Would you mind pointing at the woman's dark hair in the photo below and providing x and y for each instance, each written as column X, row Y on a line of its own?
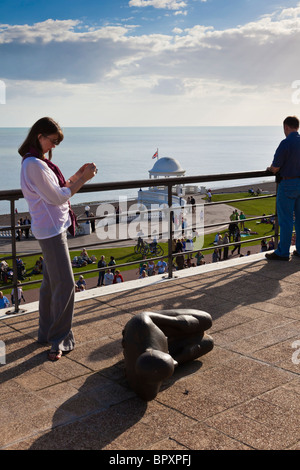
column 45, row 126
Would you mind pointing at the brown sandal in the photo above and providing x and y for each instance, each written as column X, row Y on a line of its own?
column 54, row 355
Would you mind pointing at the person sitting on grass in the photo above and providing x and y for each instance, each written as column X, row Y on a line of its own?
column 37, row 268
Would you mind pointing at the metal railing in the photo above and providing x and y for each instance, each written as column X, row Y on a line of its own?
column 169, row 183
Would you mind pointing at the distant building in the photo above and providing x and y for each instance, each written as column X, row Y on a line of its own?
column 165, row 167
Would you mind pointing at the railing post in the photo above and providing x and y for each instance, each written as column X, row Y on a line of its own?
column 14, row 254
column 170, row 238
column 276, row 227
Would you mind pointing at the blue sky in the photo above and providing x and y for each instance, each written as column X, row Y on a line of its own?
column 154, row 16
column 149, row 62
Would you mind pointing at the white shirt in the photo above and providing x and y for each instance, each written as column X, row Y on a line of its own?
column 47, row 201
column 161, row 267
column 20, row 292
column 108, row 278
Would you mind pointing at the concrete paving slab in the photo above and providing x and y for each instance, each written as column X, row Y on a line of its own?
column 243, row 395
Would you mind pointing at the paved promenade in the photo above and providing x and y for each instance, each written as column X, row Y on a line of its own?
column 243, row 395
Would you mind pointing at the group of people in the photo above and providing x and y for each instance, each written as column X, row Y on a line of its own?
column 221, row 241
column 149, row 268
column 110, row 275
column 190, row 202
column 182, row 244
column 105, row 277
column 267, row 246
column 222, row 244
column 20, row 232
column 6, row 272
column 237, row 222
column 83, row 259
column 254, row 193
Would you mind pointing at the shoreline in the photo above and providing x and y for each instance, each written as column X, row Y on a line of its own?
column 79, row 208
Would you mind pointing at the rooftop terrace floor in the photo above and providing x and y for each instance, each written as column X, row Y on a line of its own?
column 242, row 395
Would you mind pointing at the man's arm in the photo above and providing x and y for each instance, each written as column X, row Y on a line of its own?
column 273, row 169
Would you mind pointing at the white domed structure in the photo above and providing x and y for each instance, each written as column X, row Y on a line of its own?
column 166, row 167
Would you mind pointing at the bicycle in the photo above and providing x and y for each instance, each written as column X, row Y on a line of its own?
column 150, row 248
column 139, row 248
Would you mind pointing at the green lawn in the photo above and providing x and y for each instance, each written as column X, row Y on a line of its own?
column 252, row 208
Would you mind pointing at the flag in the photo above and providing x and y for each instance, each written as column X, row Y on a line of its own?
column 156, row 154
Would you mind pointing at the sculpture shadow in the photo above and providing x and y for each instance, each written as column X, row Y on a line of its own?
column 112, row 409
column 109, row 402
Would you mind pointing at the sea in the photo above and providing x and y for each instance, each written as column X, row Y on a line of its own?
column 126, row 154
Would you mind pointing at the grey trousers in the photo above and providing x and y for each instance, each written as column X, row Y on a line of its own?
column 57, row 294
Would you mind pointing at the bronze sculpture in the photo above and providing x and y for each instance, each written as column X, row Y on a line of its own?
column 155, row 343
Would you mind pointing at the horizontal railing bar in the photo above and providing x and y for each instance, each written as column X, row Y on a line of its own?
column 95, row 187
column 172, row 181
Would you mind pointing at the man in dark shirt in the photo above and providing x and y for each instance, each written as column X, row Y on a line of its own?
column 286, row 165
column 101, row 264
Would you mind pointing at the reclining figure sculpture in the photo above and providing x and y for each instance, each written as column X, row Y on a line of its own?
column 154, row 344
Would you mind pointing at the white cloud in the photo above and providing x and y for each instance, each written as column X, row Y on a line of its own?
column 289, row 12
column 71, row 65
column 184, row 13
column 163, row 4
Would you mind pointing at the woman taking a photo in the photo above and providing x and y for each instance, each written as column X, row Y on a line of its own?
column 47, row 195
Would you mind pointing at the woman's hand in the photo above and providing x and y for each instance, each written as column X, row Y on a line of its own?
column 88, row 171
column 81, row 170
column 84, row 174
